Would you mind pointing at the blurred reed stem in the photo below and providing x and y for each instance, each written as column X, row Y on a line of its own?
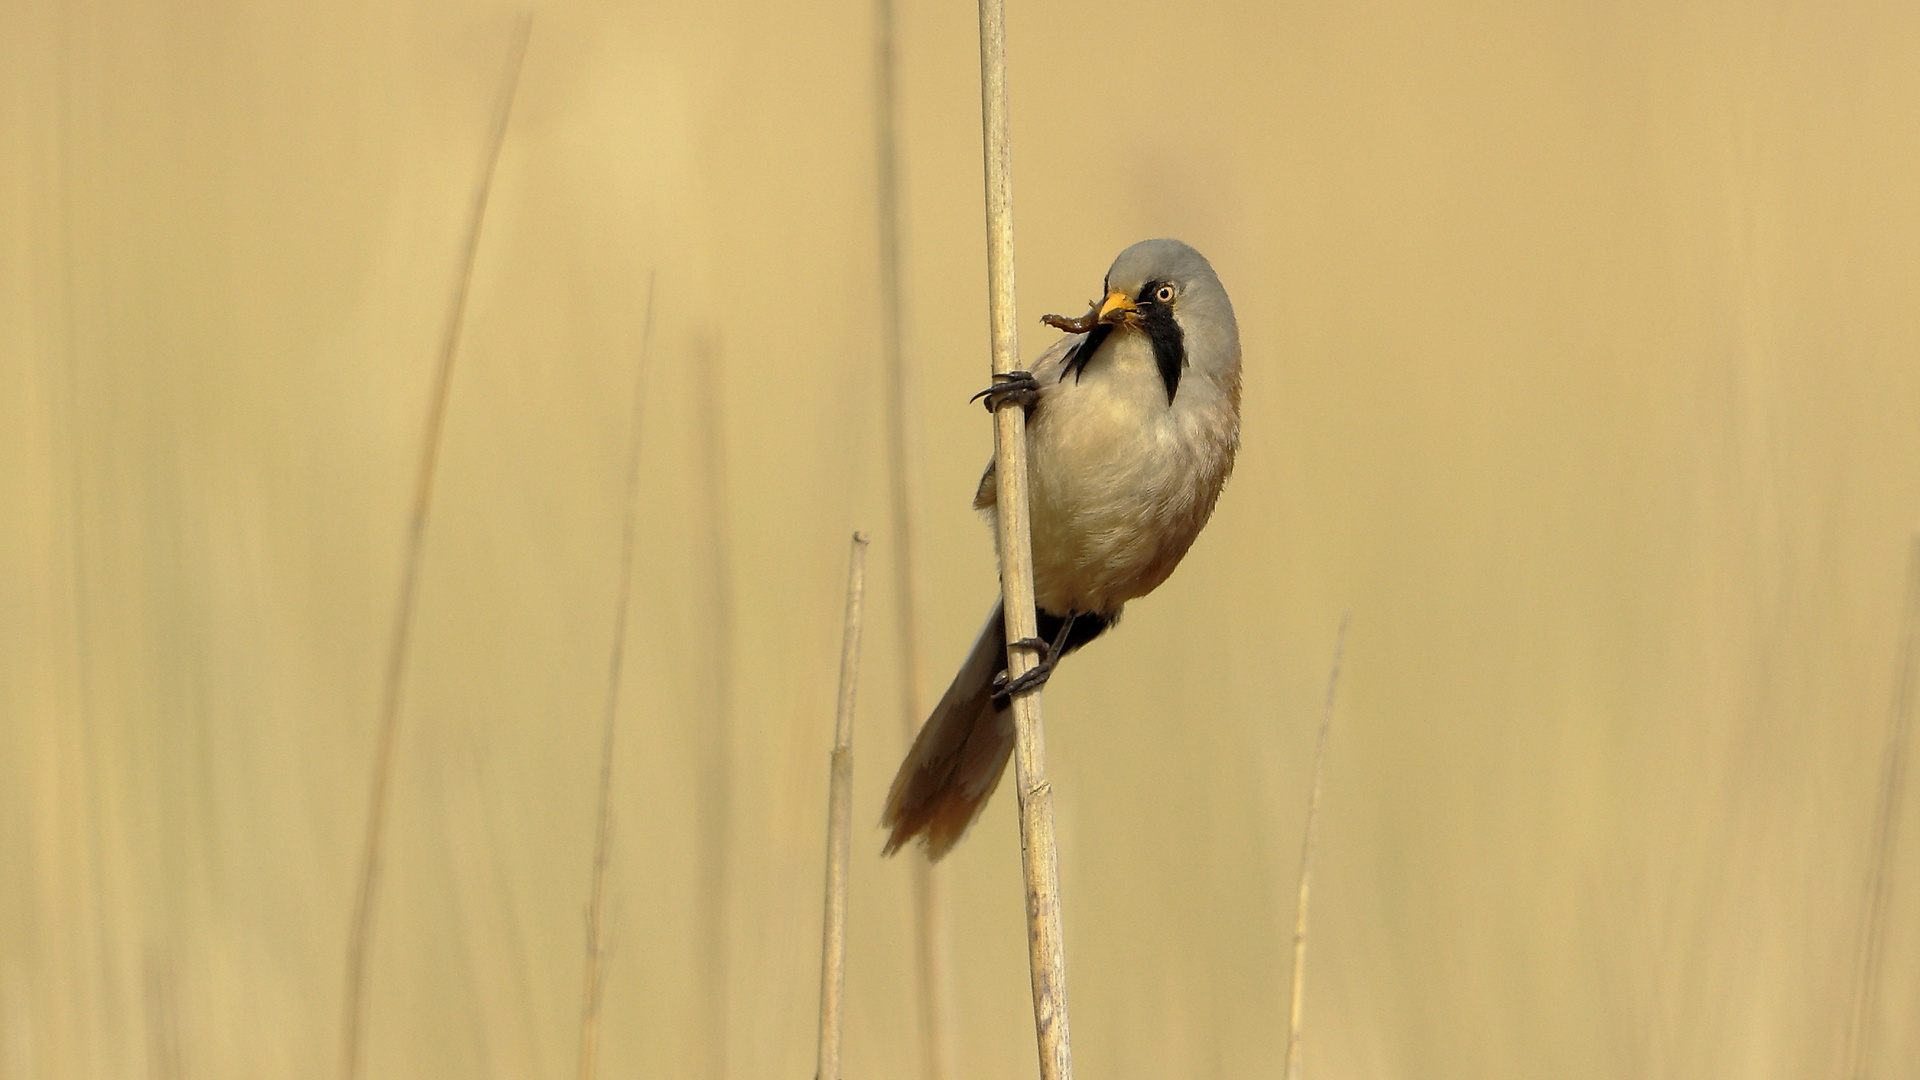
column 933, row 993
column 1864, row 999
column 833, row 931
column 1306, row 857
column 715, row 887
column 361, row 927
column 603, row 822
column 1046, row 956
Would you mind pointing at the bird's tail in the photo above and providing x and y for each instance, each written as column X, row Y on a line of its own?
column 957, row 758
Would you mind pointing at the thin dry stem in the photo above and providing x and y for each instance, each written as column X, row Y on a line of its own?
column 934, row 995
column 833, row 932
column 1864, row 999
column 603, row 825
column 361, row 927
column 934, row 962
column 1306, row 857
column 1045, row 954
column 715, row 878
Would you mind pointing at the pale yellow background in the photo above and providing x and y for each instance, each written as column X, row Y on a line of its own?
column 1582, row 364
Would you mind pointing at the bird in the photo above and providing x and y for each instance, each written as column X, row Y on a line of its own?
column 1133, row 420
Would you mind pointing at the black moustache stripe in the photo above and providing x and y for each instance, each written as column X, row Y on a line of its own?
column 1169, row 341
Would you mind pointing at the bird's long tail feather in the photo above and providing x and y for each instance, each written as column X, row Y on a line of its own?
column 957, row 758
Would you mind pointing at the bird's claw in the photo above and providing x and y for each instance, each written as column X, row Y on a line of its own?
column 1017, row 387
column 1032, row 679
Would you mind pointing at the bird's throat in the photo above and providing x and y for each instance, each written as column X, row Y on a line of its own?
column 1162, row 330
column 1083, row 352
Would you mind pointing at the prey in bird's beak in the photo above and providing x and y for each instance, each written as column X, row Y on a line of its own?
column 1116, row 309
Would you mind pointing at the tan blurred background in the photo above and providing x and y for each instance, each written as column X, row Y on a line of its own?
column 1581, row 352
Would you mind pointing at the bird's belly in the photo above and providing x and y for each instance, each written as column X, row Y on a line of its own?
column 1120, row 488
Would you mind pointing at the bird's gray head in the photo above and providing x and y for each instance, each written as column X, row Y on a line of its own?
column 1168, row 291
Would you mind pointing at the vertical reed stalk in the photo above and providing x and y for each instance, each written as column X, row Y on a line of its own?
column 603, row 824
column 1046, row 957
column 1864, row 999
column 934, row 965
column 715, row 870
column 833, row 931
column 1306, row 857
column 930, row 955
column 366, row 893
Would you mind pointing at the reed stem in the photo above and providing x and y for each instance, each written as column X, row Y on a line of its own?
column 1306, row 857
column 714, row 861
column 833, row 932
column 1864, row 1000
column 603, row 821
column 934, row 993
column 361, row 928
column 1046, row 955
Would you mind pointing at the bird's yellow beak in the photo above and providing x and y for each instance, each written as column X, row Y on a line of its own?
column 1118, row 307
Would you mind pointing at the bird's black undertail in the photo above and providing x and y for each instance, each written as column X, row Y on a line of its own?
column 1085, row 628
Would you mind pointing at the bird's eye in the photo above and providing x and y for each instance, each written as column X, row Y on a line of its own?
column 1164, row 294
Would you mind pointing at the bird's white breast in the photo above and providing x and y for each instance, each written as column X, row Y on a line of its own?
column 1121, row 481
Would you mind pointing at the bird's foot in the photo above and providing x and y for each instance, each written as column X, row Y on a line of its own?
column 1032, row 679
column 1016, row 387
column 1036, row 676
